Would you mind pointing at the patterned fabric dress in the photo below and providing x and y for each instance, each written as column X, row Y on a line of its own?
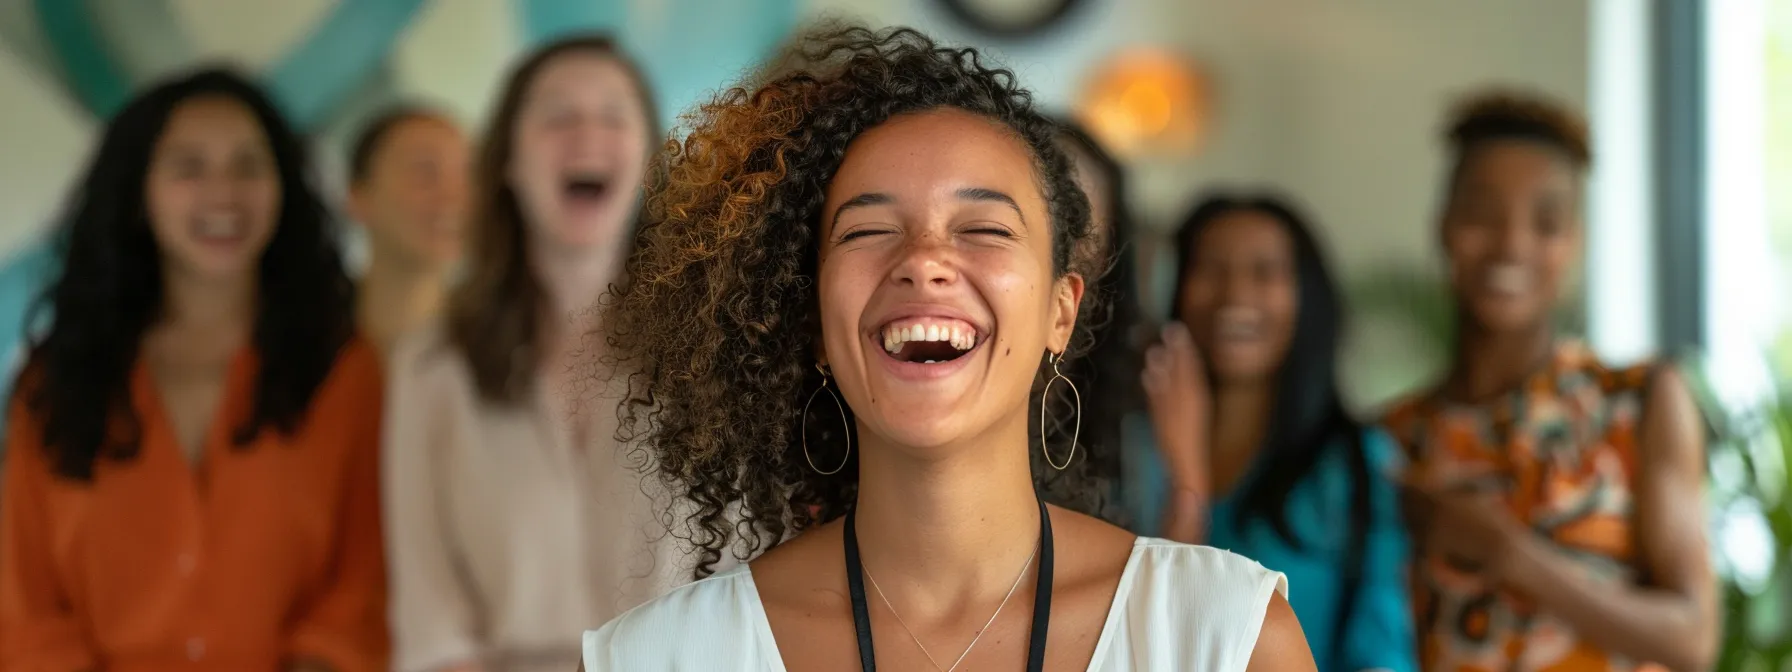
column 1560, row 453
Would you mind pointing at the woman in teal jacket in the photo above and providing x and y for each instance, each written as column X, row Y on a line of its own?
column 1254, row 451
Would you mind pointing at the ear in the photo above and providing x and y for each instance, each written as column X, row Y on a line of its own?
column 1067, row 296
column 356, row 205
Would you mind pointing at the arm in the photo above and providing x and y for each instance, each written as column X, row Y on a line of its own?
column 433, row 614
column 1672, row 619
column 343, row 629
column 1281, row 646
column 39, row 628
column 1379, row 632
column 1176, row 388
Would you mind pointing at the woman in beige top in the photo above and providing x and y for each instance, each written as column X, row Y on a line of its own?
column 515, row 524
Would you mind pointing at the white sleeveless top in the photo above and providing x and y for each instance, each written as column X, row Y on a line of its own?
column 1178, row 607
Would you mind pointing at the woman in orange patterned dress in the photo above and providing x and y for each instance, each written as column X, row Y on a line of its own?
column 1556, row 503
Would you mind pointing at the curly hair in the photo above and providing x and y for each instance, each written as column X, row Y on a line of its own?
column 110, row 291
column 1506, row 115
column 719, row 310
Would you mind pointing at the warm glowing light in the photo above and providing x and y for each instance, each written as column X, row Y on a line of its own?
column 1146, row 102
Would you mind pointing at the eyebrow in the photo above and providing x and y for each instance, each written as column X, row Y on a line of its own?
column 982, row 194
column 864, row 200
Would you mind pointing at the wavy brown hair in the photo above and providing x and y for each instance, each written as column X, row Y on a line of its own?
column 718, row 320
column 493, row 316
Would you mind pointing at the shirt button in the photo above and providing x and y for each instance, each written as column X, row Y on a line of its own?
column 186, row 563
column 195, row 649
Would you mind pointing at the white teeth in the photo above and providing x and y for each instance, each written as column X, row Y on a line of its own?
column 1508, row 279
column 1239, row 322
column 958, row 337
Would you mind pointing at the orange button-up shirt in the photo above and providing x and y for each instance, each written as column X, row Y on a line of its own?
column 249, row 559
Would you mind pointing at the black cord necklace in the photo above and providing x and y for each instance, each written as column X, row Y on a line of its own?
column 1042, row 598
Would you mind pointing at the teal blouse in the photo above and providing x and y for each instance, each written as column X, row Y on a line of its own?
column 1378, row 631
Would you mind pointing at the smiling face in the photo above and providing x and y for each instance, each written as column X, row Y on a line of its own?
column 1241, row 296
column 937, row 292
column 213, row 189
column 1512, row 232
column 580, row 150
column 413, row 198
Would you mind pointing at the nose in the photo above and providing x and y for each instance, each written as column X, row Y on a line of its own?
column 1515, row 236
column 927, row 261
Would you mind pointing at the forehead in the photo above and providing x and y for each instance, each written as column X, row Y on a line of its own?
column 211, row 117
column 422, row 131
column 580, row 74
column 1250, row 231
column 1515, row 166
column 924, row 155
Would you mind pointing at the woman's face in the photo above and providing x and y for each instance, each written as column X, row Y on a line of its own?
column 413, row 198
column 212, row 190
column 580, row 142
column 938, row 301
column 1241, row 296
column 1512, row 232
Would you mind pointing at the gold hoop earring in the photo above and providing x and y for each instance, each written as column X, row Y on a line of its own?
column 804, row 427
column 1055, row 359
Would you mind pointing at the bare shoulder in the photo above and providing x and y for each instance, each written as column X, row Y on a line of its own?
column 802, row 585
column 1087, row 548
column 798, row 572
column 1281, row 646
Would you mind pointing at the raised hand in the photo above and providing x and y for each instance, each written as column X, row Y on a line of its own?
column 1176, row 391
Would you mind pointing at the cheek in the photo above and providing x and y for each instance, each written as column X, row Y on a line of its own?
column 843, row 292
column 167, row 203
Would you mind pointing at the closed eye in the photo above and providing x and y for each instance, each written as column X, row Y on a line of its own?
column 860, row 233
column 991, row 230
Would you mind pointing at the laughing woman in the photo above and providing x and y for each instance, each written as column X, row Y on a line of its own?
column 1558, row 502
column 192, row 466
column 889, row 227
column 514, row 524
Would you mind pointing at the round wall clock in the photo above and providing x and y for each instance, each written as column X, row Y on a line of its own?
column 1010, row 18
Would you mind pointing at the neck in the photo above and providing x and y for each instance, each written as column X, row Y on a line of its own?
column 1241, row 416
column 944, row 532
column 395, row 297
column 1488, row 363
column 572, row 280
column 193, row 304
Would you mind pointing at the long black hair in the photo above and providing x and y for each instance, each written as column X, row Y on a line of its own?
column 1110, row 369
column 109, row 292
column 1308, row 417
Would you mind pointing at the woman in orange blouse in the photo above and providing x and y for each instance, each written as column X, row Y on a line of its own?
column 192, row 465
column 1558, row 503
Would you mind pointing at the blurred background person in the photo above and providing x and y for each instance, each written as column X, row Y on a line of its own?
column 1558, row 503
column 192, row 465
column 1111, row 307
column 407, row 187
column 1259, row 454
column 515, row 521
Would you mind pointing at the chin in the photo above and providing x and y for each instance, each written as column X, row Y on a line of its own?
column 922, row 432
column 1505, row 315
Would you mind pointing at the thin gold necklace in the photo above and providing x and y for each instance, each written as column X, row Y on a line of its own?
column 980, row 631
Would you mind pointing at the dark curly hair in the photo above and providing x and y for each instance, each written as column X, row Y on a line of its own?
column 1111, row 311
column 109, row 292
column 719, row 311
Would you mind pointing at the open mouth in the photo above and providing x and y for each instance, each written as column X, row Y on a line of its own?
column 1238, row 323
column 587, row 188
column 929, row 340
column 220, row 228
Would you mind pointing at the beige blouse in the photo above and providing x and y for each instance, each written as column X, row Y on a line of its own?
column 505, row 541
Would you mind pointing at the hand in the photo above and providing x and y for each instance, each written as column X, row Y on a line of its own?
column 1468, row 530
column 1176, row 391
